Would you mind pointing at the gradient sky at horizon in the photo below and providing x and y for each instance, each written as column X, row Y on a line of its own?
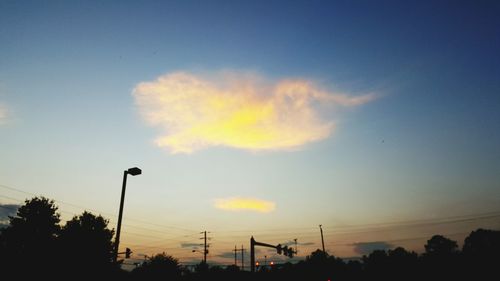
column 426, row 147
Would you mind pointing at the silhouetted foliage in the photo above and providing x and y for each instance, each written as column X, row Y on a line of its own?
column 86, row 244
column 482, row 244
column 393, row 264
column 30, row 238
column 481, row 253
column 34, row 243
column 160, row 266
column 440, row 246
column 233, row 268
column 441, row 258
column 201, row 268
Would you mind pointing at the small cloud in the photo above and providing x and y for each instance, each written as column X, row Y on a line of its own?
column 190, row 245
column 229, row 255
column 245, row 204
column 236, row 110
column 365, row 248
column 7, row 210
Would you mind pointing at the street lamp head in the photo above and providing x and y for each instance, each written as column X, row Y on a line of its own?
column 134, row 171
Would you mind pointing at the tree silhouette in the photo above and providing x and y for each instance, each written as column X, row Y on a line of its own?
column 86, row 244
column 440, row 246
column 317, row 256
column 319, row 265
column 30, row 238
column 481, row 253
column 34, row 243
column 482, row 244
column 441, row 258
column 160, row 266
column 377, row 264
column 233, row 268
column 201, row 268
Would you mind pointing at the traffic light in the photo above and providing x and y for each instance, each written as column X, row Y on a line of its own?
column 128, row 252
column 278, row 249
column 288, row 252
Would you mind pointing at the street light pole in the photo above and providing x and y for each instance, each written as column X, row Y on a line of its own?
column 322, row 240
column 134, row 172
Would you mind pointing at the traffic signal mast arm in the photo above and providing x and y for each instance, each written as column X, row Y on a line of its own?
column 127, row 253
column 264, row 245
column 279, row 249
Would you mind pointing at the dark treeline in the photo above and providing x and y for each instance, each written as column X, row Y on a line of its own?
column 34, row 243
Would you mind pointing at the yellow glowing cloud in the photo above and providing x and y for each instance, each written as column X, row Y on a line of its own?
column 236, row 111
column 245, row 204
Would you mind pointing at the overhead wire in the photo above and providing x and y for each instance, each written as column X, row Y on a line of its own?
column 226, row 237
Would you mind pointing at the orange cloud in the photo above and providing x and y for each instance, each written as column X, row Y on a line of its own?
column 245, row 204
column 236, row 111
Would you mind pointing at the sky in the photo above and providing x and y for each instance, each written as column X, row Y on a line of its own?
column 378, row 120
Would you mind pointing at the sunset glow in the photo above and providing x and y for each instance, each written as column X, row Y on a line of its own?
column 378, row 120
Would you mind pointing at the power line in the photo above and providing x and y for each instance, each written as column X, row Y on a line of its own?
column 223, row 238
column 337, row 244
column 97, row 211
column 379, row 229
column 377, row 226
column 73, row 215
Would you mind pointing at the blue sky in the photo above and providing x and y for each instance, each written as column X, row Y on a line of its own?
column 424, row 147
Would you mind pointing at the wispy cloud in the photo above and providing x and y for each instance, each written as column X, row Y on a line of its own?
column 365, row 248
column 245, row 204
column 190, row 245
column 7, row 210
column 229, row 255
column 237, row 110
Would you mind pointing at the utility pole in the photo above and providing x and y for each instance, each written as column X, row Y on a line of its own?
column 296, row 251
column 242, row 258
column 235, row 253
column 322, row 240
column 205, row 246
column 252, row 254
column 205, row 251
